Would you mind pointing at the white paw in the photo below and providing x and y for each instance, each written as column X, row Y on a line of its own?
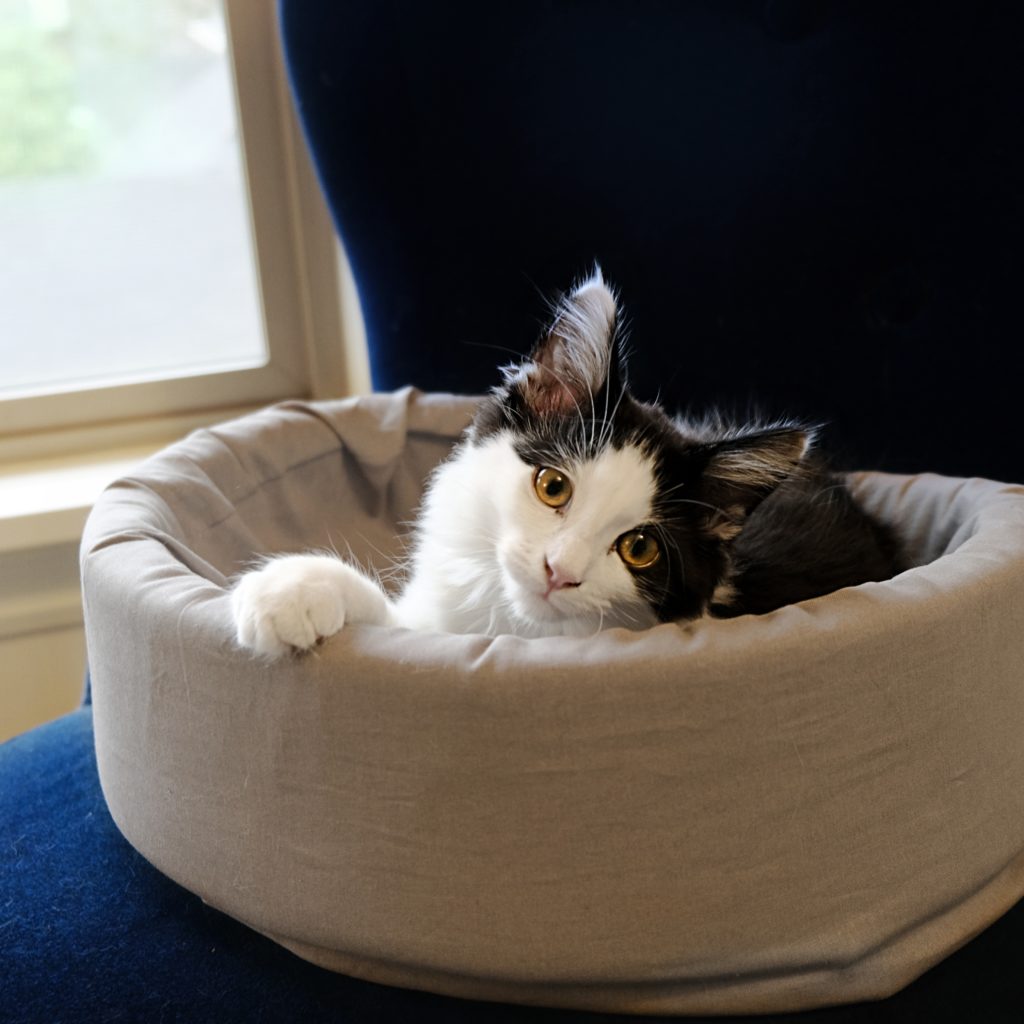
column 290, row 604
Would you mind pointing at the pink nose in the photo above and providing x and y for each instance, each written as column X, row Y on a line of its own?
column 558, row 579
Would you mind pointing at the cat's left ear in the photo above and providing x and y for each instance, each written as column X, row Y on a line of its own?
column 578, row 355
column 742, row 471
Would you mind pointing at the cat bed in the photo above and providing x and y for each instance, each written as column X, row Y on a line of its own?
column 764, row 813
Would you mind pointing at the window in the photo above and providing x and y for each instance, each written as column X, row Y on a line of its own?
column 158, row 221
column 166, row 260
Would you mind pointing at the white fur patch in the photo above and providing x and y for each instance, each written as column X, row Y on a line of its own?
column 484, row 539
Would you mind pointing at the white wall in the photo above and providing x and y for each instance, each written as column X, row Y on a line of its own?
column 42, row 646
column 41, row 678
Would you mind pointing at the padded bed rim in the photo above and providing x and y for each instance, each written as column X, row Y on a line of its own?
column 875, row 761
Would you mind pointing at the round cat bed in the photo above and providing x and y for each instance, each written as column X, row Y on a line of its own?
column 765, row 813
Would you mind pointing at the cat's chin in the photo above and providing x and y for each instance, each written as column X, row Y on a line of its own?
column 537, row 609
column 544, row 617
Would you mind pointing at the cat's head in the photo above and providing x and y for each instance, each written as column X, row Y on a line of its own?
column 609, row 511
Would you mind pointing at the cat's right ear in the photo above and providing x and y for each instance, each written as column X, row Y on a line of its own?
column 577, row 356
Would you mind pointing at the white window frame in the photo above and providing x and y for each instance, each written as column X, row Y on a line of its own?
column 58, row 450
column 303, row 288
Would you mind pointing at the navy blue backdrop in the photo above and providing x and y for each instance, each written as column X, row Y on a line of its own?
column 816, row 205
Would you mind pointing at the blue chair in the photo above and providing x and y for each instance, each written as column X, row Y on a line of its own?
column 813, row 205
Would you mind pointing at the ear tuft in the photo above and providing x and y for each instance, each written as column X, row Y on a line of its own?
column 571, row 362
column 597, row 295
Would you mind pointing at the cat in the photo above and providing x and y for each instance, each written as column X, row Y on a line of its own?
column 569, row 506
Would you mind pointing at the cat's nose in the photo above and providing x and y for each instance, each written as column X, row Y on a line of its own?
column 558, row 578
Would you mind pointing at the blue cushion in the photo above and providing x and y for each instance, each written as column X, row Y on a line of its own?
column 90, row 932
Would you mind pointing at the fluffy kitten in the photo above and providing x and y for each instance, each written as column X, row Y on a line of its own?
column 569, row 506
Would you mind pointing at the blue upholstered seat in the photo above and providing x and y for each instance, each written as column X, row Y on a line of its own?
column 91, row 932
column 816, row 204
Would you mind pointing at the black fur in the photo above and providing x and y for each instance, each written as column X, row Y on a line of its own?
column 745, row 520
column 808, row 538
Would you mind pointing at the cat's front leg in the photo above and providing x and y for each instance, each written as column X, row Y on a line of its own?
column 293, row 602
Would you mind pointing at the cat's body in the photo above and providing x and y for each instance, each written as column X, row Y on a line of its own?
column 570, row 507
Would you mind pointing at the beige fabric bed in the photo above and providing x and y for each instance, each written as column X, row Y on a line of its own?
column 757, row 814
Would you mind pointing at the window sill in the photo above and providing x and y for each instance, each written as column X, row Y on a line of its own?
column 44, row 498
column 45, row 502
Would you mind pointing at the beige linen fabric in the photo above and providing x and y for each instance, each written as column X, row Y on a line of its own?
column 764, row 813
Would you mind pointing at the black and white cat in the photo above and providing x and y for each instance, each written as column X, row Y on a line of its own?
column 569, row 507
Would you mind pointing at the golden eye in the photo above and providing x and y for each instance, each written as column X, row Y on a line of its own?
column 552, row 487
column 638, row 549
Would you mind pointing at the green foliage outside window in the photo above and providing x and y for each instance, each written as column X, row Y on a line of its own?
column 43, row 130
column 75, row 74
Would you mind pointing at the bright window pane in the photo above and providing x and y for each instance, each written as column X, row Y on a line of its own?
column 125, row 248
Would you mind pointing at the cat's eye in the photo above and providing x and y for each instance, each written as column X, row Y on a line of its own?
column 638, row 549
column 552, row 487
